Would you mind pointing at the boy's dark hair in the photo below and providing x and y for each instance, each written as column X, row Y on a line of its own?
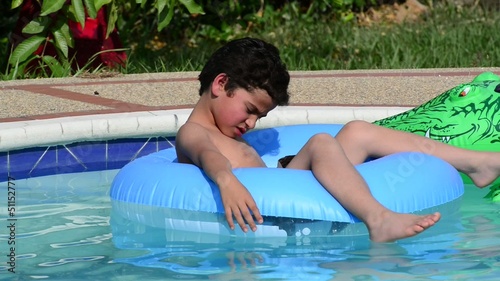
column 249, row 64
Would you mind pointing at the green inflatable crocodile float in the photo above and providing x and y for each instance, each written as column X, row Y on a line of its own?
column 466, row 116
column 494, row 193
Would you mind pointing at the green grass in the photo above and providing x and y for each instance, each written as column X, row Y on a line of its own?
column 445, row 38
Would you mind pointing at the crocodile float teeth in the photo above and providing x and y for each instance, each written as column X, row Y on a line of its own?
column 445, row 139
column 428, row 133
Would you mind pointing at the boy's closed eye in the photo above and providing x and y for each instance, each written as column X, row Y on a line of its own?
column 254, row 111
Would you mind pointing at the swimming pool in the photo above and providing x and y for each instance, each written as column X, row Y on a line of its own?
column 64, row 228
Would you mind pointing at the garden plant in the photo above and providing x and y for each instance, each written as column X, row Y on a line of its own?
column 178, row 35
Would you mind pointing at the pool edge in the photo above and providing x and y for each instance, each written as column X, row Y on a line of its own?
column 65, row 130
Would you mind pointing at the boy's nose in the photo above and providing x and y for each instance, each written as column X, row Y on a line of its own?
column 251, row 121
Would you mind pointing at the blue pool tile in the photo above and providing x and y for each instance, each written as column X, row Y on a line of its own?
column 78, row 157
column 68, row 161
column 164, row 143
column 22, row 162
column 4, row 172
column 149, row 147
column 46, row 164
column 90, row 156
column 121, row 152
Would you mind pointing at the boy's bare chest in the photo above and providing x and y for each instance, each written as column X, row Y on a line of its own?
column 239, row 153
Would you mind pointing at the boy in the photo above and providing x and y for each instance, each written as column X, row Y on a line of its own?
column 242, row 82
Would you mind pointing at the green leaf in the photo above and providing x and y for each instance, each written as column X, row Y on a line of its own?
column 79, row 12
column 25, row 49
column 16, row 3
column 160, row 5
column 192, row 7
column 347, row 16
column 360, row 3
column 51, row 6
column 112, row 18
column 90, row 5
column 36, row 26
column 165, row 16
column 69, row 12
column 99, row 3
column 57, row 69
column 61, row 42
column 64, row 28
column 338, row 3
column 142, row 2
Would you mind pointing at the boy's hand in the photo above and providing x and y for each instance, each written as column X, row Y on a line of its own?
column 238, row 203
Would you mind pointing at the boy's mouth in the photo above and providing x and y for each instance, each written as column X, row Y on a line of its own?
column 241, row 131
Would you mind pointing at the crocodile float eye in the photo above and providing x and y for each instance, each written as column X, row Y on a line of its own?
column 497, row 89
column 464, row 92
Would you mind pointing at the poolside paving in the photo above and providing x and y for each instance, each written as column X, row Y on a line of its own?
column 39, row 99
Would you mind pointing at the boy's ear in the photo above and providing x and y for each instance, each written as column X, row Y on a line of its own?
column 219, row 84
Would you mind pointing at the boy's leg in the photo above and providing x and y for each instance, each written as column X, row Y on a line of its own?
column 324, row 156
column 360, row 140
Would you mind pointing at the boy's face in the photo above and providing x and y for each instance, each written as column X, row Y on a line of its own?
column 237, row 112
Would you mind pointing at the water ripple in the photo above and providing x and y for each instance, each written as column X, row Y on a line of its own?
column 76, row 222
column 71, row 260
column 87, row 241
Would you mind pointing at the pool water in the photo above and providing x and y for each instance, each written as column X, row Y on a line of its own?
column 64, row 228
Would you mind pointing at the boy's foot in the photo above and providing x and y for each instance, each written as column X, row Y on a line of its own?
column 392, row 226
column 487, row 171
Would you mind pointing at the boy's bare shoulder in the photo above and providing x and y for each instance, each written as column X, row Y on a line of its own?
column 192, row 131
column 188, row 126
column 189, row 135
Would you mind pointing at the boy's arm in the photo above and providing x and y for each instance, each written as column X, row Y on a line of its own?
column 194, row 142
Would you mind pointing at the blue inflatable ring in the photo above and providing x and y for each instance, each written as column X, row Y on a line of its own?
column 158, row 191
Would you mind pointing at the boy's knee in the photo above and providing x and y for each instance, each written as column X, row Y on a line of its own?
column 322, row 143
column 321, row 139
column 354, row 128
column 356, row 125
